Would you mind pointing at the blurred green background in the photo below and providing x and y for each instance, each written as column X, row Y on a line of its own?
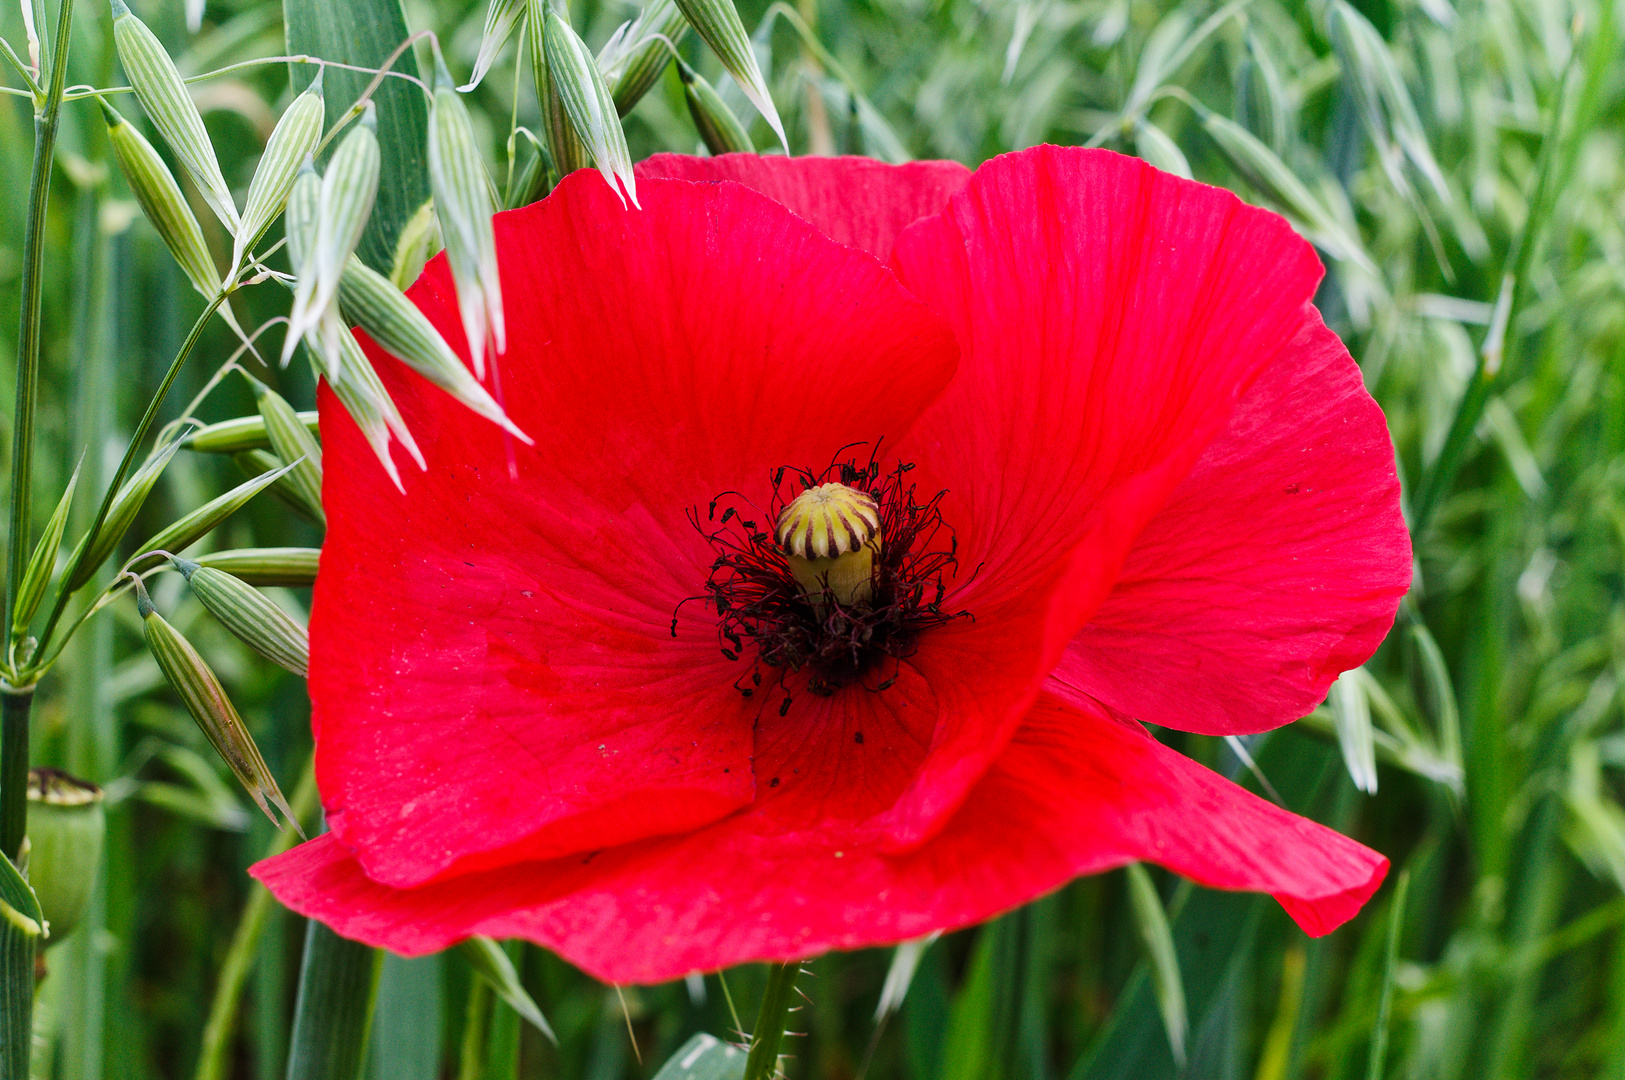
column 1429, row 148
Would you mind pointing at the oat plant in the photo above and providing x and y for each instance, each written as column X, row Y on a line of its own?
column 219, row 192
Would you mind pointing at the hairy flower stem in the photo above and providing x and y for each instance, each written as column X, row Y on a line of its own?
column 770, row 1020
column 47, row 116
column 14, row 709
column 138, row 437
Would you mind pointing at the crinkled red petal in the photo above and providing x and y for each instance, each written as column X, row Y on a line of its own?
column 1276, row 565
column 1075, row 792
column 494, row 673
column 1109, row 317
column 853, row 200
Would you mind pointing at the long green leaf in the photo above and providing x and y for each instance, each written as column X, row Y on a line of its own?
column 43, row 561
column 338, row 987
column 1159, row 950
column 407, row 1036
column 244, row 951
column 364, row 33
column 1213, row 935
column 199, row 523
column 1379, row 1038
column 21, row 927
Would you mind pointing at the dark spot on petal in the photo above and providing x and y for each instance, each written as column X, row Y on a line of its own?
column 857, row 737
column 774, row 782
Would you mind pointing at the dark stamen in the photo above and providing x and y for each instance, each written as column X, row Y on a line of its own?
column 756, row 598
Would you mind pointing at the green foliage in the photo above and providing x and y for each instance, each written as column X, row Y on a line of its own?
column 366, row 35
column 1459, row 168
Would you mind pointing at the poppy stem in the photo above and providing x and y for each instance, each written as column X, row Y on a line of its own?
column 762, row 1064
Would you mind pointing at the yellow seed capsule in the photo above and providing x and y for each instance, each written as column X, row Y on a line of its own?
column 830, row 535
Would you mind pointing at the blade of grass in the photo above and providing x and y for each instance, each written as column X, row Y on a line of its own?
column 1212, row 932
column 364, row 33
column 21, row 928
column 1379, row 1038
column 338, row 987
column 241, row 955
column 408, row 1025
column 502, row 1046
column 1159, row 946
column 1498, row 360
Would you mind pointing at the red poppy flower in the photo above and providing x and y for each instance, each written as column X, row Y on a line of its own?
column 1123, row 473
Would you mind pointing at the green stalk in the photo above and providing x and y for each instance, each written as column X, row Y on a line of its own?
column 81, row 963
column 47, row 117
column 16, row 964
column 476, row 1019
column 122, row 473
column 1537, row 900
column 770, row 1020
column 1379, row 1038
column 14, row 709
column 18, row 935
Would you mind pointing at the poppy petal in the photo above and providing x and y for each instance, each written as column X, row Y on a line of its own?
column 852, row 200
column 1276, row 565
column 1109, row 317
column 495, row 670
column 1075, row 792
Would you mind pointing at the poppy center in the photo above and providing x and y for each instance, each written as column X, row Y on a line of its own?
column 839, row 591
column 830, row 535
